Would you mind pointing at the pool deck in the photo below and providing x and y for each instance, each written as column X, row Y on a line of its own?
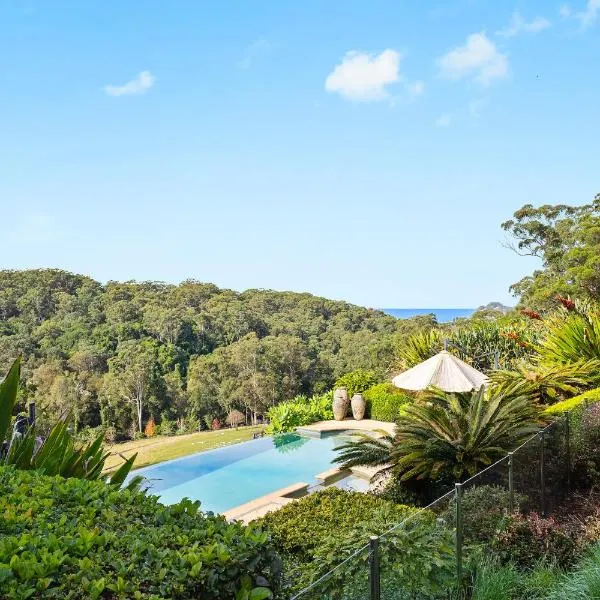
column 325, row 427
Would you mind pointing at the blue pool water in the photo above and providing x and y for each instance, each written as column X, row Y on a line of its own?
column 443, row 315
column 227, row 477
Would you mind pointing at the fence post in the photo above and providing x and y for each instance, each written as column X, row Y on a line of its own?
column 542, row 477
column 458, row 490
column 568, row 448
column 511, row 483
column 374, row 567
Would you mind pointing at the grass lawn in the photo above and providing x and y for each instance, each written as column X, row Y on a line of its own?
column 160, row 448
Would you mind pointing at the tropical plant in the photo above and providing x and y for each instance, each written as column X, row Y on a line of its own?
column 447, row 435
column 300, row 411
column 545, row 383
column 59, row 453
column 419, row 347
column 571, row 335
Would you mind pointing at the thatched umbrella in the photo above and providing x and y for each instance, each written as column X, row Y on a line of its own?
column 445, row 371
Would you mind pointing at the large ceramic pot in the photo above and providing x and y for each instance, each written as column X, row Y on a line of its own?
column 358, row 406
column 340, row 403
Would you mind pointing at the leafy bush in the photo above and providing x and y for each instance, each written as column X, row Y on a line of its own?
column 70, row 538
column 357, row 382
column 528, row 539
column 566, row 405
column 316, row 533
column 300, row 411
column 384, row 401
column 485, row 509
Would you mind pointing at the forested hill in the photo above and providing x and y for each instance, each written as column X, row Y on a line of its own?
column 120, row 353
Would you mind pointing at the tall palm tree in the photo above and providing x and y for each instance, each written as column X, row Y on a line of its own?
column 448, row 435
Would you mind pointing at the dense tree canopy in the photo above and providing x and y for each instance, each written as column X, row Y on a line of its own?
column 567, row 240
column 120, row 353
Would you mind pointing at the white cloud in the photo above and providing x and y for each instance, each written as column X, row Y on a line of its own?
column 443, row 120
column 588, row 16
column 415, row 89
column 138, row 85
column 363, row 77
column 252, row 52
column 565, row 11
column 518, row 25
column 478, row 58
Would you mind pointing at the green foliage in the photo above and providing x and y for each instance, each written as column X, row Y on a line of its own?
column 356, row 382
column 118, row 354
column 484, row 509
column 560, row 408
column 545, row 384
column 478, row 342
column 493, row 581
column 419, row 347
column 566, row 239
column 571, row 336
column 385, row 401
column 69, row 538
column 447, row 436
column 528, row 539
column 318, row 531
column 59, row 453
column 286, row 416
column 583, row 583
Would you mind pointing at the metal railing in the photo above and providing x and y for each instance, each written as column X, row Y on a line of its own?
column 535, row 477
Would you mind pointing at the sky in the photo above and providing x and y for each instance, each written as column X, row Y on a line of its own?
column 360, row 150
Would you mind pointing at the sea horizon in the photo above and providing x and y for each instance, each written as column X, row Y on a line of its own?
column 443, row 315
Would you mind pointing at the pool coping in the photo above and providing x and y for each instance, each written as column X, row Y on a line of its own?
column 322, row 428
column 272, row 501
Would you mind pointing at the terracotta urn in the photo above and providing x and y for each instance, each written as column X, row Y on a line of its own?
column 358, row 406
column 340, row 403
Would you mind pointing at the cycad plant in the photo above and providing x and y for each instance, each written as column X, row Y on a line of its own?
column 547, row 383
column 58, row 453
column 446, row 435
column 571, row 337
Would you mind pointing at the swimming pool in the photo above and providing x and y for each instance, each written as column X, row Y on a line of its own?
column 227, row 477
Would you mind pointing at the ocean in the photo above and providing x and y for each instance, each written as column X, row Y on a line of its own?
column 443, row 315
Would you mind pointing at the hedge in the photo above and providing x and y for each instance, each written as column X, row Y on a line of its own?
column 384, row 401
column 316, row 533
column 71, row 538
column 560, row 408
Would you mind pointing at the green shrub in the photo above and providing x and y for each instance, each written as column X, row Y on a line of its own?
column 300, row 411
column 167, row 427
column 527, row 540
column 318, row 531
column 485, row 510
column 71, row 538
column 560, row 408
column 357, row 382
column 384, row 401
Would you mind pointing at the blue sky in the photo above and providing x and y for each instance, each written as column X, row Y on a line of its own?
column 365, row 151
